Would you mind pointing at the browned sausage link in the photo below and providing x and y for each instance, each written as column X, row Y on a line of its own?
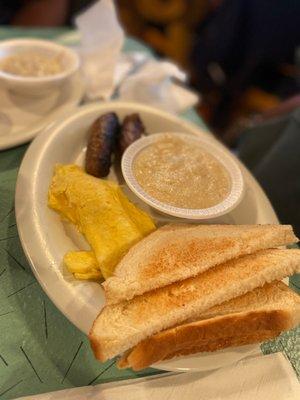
column 102, row 138
column 132, row 129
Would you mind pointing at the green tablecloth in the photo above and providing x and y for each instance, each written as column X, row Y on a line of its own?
column 40, row 350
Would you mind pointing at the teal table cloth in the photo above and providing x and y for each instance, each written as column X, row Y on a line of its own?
column 40, row 350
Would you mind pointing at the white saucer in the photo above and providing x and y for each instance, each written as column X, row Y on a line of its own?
column 22, row 118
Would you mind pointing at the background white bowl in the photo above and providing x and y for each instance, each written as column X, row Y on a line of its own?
column 37, row 86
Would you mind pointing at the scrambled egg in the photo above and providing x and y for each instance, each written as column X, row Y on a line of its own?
column 83, row 265
column 102, row 213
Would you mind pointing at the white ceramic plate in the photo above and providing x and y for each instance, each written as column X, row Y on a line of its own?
column 22, row 118
column 45, row 238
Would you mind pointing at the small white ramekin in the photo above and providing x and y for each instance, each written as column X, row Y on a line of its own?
column 228, row 161
column 37, row 86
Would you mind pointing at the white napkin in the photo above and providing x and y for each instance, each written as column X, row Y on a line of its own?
column 262, row 378
column 129, row 76
column 154, row 84
column 101, row 42
column 126, row 65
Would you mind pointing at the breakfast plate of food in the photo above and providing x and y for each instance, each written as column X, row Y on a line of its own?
column 153, row 239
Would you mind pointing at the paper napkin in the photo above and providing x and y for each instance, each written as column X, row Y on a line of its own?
column 262, row 378
column 155, row 84
column 136, row 77
column 101, row 43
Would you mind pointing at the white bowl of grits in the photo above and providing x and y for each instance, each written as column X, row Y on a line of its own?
column 183, row 175
column 35, row 67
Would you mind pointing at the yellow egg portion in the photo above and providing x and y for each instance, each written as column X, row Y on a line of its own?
column 83, row 264
column 110, row 223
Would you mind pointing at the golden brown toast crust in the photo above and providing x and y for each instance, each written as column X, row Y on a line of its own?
column 122, row 326
column 174, row 253
column 205, row 346
column 208, row 335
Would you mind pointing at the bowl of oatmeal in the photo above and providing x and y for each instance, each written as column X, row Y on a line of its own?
column 183, row 175
column 35, row 67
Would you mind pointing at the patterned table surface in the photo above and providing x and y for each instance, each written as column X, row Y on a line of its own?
column 40, row 350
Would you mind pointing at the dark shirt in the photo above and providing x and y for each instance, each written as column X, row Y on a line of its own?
column 8, row 8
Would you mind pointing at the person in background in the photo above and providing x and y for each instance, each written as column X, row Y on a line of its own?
column 39, row 13
column 244, row 43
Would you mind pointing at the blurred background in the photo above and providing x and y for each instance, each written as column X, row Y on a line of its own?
column 243, row 57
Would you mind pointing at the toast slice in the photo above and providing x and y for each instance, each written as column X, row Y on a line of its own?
column 177, row 252
column 252, row 318
column 121, row 326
